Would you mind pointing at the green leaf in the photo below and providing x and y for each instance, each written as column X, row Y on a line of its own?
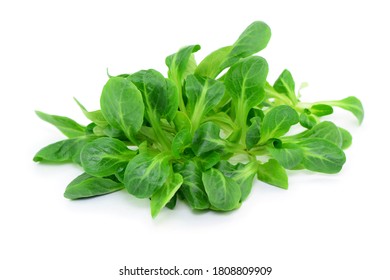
column 163, row 195
column 202, row 95
column 277, row 122
column 253, row 133
column 273, row 173
column 67, row 126
column 289, row 155
column 216, row 62
column 181, row 121
column 172, row 203
column 246, row 184
column 146, row 173
column 242, row 174
column 94, row 116
column 245, row 82
column 114, row 133
column 323, row 130
column 321, row 110
column 181, row 63
column 351, row 104
column 223, row 192
column 122, row 106
column 307, row 120
column 254, row 38
column 209, row 159
column 255, row 112
column 346, row 138
column 227, row 168
column 322, row 156
column 159, row 95
column 181, row 141
column 120, row 174
column 87, row 185
column 207, row 139
column 63, row 151
column 105, row 156
column 192, row 189
column 285, row 84
column 178, row 137
column 328, row 131
column 160, row 99
column 89, row 129
column 223, row 120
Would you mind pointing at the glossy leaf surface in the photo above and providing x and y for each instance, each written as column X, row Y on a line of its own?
column 87, row 185
column 223, row 192
column 105, row 156
column 162, row 196
column 67, row 126
column 145, row 174
column 122, row 105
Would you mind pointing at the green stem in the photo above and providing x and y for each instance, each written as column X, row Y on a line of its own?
column 182, row 106
column 148, row 133
column 301, row 106
column 168, row 128
column 160, row 135
column 235, row 148
column 271, row 93
column 259, row 150
column 195, row 120
column 241, row 116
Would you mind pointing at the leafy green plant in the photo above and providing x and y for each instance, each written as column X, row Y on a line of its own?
column 175, row 138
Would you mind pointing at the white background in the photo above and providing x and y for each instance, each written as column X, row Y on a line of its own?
column 323, row 227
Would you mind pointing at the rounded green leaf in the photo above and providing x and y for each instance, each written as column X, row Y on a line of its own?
column 192, row 189
column 209, row 159
column 122, row 106
column 181, row 121
column 321, row 110
column 277, row 122
column 242, row 174
column 86, row 185
column 206, row 139
column 145, row 174
column 351, row 104
column 346, row 138
column 289, row 155
column 245, row 82
column 182, row 140
column 63, row 151
column 322, row 156
column 285, row 84
column 307, row 120
column 325, row 130
column 105, row 156
column 273, row 173
column 252, row 40
column 160, row 96
column 223, row 192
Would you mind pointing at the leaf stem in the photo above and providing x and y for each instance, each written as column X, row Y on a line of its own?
column 271, row 93
column 159, row 133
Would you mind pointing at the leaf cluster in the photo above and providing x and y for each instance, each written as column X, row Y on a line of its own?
column 181, row 136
